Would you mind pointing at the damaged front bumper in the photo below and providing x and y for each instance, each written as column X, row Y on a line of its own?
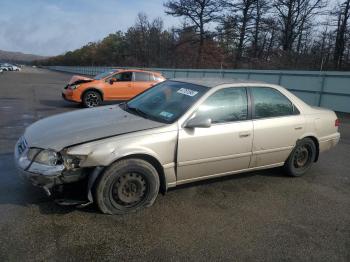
column 50, row 178
column 38, row 174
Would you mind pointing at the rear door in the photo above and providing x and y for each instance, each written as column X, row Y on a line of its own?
column 222, row 148
column 277, row 126
column 142, row 81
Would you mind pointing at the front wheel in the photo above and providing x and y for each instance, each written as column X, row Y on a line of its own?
column 91, row 99
column 301, row 158
column 127, row 186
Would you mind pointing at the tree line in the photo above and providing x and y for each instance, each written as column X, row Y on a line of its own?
column 260, row 34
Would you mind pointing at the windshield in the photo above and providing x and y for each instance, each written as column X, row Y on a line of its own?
column 167, row 101
column 105, row 74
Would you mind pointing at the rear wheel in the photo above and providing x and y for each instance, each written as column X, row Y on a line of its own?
column 301, row 158
column 127, row 186
column 92, row 99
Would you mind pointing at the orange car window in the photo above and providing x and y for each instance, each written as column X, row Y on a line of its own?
column 158, row 78
column 125, row 76
column 141, row 76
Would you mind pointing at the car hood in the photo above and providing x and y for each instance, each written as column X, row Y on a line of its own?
column 79, row 79
column 63, row 130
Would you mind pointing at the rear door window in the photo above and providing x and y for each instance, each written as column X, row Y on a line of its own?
column 142, row 76
column 269, row 102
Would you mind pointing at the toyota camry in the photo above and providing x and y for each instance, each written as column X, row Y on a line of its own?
column 176, row 132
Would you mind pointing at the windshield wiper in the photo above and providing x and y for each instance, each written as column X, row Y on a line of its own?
column 137, row 111
column 123, row 105
column 141, row 113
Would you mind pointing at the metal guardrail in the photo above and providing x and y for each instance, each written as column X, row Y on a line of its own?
column 325, row 89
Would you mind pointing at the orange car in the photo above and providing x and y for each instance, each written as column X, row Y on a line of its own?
column 114, row 84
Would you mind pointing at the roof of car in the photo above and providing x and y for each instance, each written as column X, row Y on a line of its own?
column 213, row 82
column 139, row 70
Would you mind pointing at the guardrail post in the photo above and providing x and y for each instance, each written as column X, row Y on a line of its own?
column 279, row 78
column 322, row 89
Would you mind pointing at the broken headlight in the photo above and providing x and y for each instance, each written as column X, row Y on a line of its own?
column 73, row 87
column 44, row 156
column 73, row 161
column 32, row 152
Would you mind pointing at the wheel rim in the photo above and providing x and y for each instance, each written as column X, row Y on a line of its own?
column 92, row 99
column 129, row 189
column 302, row 156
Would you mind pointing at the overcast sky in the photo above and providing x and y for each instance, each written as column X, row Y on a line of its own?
column 51, row 27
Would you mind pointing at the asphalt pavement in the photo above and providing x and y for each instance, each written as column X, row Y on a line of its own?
column 258, row 216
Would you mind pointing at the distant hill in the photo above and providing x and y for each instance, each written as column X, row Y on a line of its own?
column 18, row 57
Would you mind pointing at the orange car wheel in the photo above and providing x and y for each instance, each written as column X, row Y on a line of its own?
column 91, row 99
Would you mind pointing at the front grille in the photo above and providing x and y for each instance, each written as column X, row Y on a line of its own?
column 22, row 145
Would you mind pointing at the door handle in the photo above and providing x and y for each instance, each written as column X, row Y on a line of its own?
column 298, row 127
column 244, row 134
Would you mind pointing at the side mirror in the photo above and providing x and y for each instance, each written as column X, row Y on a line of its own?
column 198, row 122
column 111, row 81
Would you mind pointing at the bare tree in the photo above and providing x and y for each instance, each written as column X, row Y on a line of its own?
column 261, row 9
column 199, row 12
column 270, row 32
column 228, row 34
column 292, row 16
column 342, row 27
column 242, row 11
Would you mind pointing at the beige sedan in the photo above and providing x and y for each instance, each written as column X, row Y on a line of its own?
column 177, row 132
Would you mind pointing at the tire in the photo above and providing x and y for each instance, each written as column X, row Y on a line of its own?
column 91, row 99
column 301, row 158
column 127, row 186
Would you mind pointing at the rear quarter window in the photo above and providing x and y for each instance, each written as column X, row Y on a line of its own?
column 158, row 78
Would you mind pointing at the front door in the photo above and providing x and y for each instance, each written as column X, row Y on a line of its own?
column 120, row 88
column 224, row 147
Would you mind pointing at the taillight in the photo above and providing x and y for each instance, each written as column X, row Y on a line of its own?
column 337, row 122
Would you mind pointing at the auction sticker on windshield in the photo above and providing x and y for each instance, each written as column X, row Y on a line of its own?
column 187, row 92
